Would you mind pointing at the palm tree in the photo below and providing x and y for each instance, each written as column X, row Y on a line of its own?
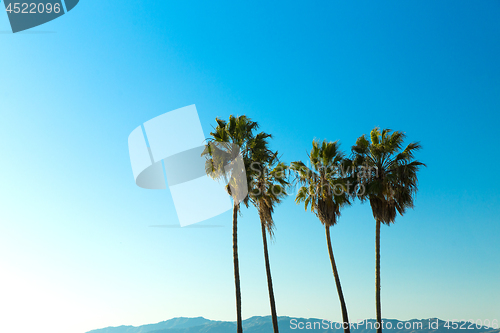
column 268, row 189
column 230, row 142
column 388, row 175
column 326, row 192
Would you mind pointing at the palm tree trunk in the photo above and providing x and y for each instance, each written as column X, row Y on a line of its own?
column 237, row 270
column 377, row 277
column 345, row 318
column 269, row 280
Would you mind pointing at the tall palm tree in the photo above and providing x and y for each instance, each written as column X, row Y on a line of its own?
column 326, row 192
column 388, row 175
column 229, row 141
column 268, row 189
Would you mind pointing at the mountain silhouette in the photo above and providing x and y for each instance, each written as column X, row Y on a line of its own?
column 293, row 324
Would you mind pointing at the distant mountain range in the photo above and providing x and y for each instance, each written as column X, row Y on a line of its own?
column 293, row 325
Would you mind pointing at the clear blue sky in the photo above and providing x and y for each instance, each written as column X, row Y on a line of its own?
column 76, row 248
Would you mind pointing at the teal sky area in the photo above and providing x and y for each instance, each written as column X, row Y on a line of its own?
column 77, row 246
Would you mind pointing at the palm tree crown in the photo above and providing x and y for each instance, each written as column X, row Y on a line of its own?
column 231, row 140
column 387, row 173
column 326, row 186
column 268, row 188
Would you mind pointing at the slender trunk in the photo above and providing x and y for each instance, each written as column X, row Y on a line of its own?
column 377, row 277
column 237, row 270
column 269, row 280
column 345, row 318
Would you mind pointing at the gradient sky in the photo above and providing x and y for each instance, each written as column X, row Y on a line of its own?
column 77, row 250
